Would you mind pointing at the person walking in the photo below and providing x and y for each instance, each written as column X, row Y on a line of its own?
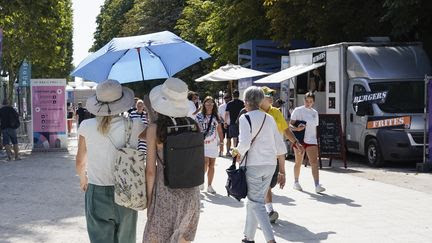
column 284, row 131
column 9, row 119
column 80, row 114
column 305, row 118
column 98, row 141
column 172, row 214
column 208, row 120
column 194, row 104
column 221, row 111
column 140, row 113
column 263, row 144
column 233, row 109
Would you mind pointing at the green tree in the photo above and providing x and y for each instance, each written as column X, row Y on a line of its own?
column 219, row 27
column 149, row 16
column 109, row 21
column 411, row 20
column 325, row 22
column 39, row 31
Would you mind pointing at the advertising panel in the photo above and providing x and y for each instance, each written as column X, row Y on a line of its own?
column 49, row 113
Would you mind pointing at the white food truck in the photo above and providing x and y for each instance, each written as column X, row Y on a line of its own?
column 377, row 88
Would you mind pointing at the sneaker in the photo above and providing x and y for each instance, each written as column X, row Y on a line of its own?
column 297, row 186
column 273, row 216
column 228, row 154
column 220, row 154
column 247, row 241
column 319, row 189
column 202, row 187
column 211, row 190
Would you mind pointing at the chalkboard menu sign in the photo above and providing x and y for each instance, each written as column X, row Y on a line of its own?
column 330, row 137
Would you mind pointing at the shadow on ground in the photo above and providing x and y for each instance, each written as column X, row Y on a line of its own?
column 296, row 233
column 332, row 199
column 41, row 190
column 221, row 200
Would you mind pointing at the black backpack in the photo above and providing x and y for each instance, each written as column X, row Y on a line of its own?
column 14, row 121
column 183, row 155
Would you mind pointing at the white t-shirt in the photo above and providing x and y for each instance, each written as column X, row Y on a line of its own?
column 310, row 116
column 268, row 144
column 101, row 153
column 192, row 109
column 221, row 111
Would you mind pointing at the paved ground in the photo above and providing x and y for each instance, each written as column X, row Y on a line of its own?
column 41, row 202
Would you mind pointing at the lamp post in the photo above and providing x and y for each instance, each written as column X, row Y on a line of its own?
column 3, row 82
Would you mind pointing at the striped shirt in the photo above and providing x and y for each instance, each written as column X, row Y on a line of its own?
column 142, row 145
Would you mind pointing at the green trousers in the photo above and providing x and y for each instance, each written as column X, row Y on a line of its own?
column 108, row 222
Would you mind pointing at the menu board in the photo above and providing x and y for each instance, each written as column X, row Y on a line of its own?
column 49, row 113
column 330, row 137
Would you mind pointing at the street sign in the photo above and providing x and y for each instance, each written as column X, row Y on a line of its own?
column 24, row 74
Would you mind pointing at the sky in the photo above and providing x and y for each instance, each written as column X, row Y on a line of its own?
column 84, row 18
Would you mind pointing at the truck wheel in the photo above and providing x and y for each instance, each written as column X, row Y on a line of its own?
column 373, row 153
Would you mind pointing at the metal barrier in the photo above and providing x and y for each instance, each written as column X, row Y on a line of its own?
column 25, row 134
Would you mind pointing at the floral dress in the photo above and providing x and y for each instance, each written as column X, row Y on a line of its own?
column 173, row 213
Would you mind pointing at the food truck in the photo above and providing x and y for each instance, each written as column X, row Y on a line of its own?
column 376, row 87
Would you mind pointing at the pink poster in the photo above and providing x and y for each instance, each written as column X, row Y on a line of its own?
column 49, row 113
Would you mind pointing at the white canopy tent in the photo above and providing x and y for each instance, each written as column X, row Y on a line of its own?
column 230, row 72
column 289, row 73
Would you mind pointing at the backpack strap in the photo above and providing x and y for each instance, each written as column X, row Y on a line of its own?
column 128, row 131
column 208, row 126
column 249, row 120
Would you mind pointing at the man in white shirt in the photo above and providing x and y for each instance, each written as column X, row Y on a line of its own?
column 221, row 112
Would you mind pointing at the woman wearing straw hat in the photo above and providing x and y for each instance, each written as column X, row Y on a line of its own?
column 172, row 214
column 98, row 138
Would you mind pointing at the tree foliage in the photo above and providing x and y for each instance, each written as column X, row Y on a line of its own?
column 39, row 31
column 327, row 21
column 148, row 16
column 110, row 21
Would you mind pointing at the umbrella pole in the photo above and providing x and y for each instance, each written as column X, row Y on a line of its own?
column 231, row 87
column 139, row 56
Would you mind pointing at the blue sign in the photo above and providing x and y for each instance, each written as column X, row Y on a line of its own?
column 24, row 74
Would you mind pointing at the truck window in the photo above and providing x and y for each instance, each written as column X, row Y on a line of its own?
column 402, row 97
column 358, row 89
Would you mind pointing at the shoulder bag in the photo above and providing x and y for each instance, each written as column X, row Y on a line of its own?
column 236, row 185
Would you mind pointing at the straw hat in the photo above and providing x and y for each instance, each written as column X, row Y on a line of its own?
column 170, row 98
column 110, row 99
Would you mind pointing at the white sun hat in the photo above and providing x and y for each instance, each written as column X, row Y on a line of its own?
column 110, row 99
column 170, row 98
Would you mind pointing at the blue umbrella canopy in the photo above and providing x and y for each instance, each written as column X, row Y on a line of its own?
column 128, row 59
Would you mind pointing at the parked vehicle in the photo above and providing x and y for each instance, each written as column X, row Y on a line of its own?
column 377, row 88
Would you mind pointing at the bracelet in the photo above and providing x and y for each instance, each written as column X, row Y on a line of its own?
column 281, row 173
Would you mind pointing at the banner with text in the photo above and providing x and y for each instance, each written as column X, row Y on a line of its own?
column 24, row 74
column 49, row 114
column 371, row 97
column 380, row 122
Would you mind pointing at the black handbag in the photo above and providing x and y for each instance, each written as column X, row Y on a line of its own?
column 236, row 184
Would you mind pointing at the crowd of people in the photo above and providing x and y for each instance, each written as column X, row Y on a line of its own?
column 252, row 130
